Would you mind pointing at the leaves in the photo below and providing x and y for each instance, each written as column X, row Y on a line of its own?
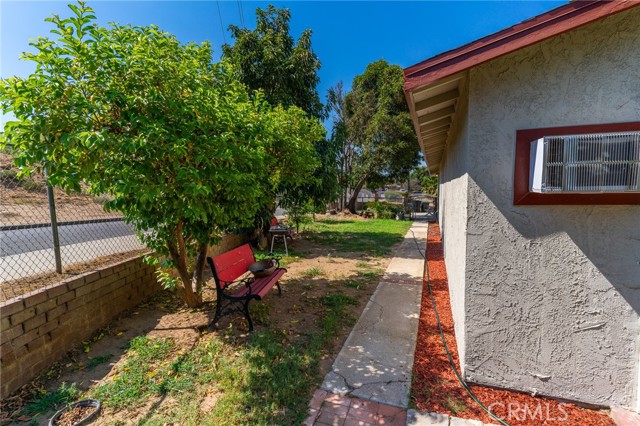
column 175, row 139
column 378, row 126
column 268, row 60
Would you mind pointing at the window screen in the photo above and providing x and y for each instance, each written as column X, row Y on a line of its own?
column 599, row 162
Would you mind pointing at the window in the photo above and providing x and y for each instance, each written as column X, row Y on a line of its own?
column 595, row 164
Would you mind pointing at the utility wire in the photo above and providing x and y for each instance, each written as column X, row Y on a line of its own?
column 224, row 38
column 241, row 11
column 444, row 342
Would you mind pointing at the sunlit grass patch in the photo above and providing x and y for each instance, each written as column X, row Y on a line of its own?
column 313, row 272
column 52, row 400
column 371, row 237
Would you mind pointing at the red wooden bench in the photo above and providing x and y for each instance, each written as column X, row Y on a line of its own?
column 233, row 287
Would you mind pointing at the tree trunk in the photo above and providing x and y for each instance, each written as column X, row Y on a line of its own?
column 198, row 270
column 189, row 294
column 351, row 205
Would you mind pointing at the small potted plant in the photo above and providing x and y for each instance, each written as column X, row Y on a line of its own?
column 76, row 414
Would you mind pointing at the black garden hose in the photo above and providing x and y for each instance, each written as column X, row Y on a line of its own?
column 444, row 342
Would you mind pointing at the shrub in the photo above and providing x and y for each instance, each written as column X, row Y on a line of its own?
column 382, row 209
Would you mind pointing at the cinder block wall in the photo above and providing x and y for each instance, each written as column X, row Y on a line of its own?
column 39, row 327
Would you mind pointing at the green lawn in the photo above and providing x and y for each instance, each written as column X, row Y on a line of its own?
column 370, row 237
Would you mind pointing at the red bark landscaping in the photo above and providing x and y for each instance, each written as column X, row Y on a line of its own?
column 435, row 387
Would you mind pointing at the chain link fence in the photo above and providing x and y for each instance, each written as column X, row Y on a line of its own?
column 43, row 230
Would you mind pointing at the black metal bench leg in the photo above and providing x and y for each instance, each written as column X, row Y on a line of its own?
column 279, row 289
column 247, row 316
column 213, row 323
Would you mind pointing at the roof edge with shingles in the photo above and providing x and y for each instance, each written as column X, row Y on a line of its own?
column 526, row 33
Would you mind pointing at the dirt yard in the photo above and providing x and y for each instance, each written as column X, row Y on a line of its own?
column 316, row 272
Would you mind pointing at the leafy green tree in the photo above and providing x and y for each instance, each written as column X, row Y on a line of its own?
column 269, row 60
column 173, row 137
column 343, row 147
column 380, row 128
column 428, row 182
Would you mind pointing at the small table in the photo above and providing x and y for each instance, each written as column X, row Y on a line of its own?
column 280, row 231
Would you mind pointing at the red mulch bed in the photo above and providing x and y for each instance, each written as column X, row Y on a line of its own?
column 435, row 387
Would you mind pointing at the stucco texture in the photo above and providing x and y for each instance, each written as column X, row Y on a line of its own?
column 552, row 295
column 453, row 203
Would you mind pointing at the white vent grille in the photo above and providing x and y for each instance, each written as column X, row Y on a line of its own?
column 599, row 162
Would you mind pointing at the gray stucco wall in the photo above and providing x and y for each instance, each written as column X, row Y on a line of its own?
column 552, row 292
column 453, row 220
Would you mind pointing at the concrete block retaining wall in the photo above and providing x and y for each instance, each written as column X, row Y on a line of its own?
column 38, row 328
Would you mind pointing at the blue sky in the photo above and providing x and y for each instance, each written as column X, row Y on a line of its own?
column 346, row 35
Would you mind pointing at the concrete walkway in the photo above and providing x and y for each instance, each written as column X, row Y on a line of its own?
column 376, row 361
column 370, row 380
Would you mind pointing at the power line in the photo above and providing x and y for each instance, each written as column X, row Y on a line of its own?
column 221, row 25
column 241, row 11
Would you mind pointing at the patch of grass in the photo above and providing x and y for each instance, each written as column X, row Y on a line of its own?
column 260, row 313
column 371, row 237
column 455, row 405
column 98, row 360
column 313, row 272
column 265, row 379
column 370, row 275
column 285, row 259
column 65, row 394
column 338, row 301
column 146, row 371
column 352, row 284
column 363, row 265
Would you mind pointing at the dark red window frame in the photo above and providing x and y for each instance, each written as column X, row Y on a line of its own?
column 523, row 196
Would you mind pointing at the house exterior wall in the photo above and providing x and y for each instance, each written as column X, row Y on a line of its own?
column 552, row 292
column 453, row 218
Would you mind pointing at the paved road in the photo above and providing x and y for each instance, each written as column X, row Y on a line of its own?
column 35, row 239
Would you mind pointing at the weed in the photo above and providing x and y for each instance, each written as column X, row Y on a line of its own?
column 260, row 313
column 370, row 275
column 352, row 284
column 65, row 394
column 98, row 360
column 313, row 272
column 364, row 265
column 338, row 300
column 455, row 405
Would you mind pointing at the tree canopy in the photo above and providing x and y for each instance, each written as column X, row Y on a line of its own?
column 428, row 182
column 379, row 127
column 177, row 141
column 268, row 59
